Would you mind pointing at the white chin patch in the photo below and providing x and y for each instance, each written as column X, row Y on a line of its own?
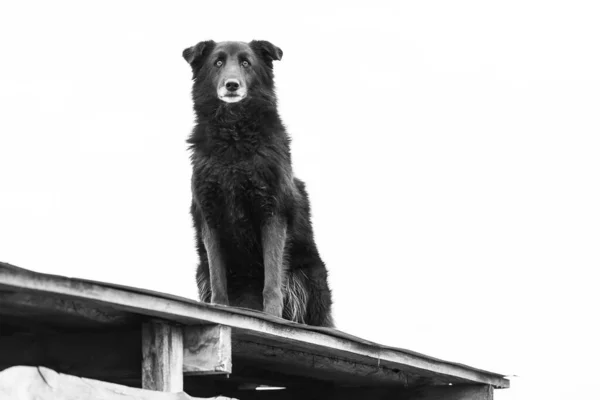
column 232, row 99
column 226, row 96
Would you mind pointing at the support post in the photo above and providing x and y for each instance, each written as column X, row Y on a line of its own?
column 162, row 357
column 207, row 350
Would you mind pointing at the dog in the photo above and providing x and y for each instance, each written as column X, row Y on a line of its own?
column 251, row 215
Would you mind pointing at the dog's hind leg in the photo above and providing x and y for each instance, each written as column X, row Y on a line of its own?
column 273, row 235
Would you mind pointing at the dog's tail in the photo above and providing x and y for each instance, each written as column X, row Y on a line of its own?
column 306, row 301
column 295, row 296
column 203, row 282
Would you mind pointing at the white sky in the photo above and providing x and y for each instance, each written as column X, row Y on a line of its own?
column 450, row 150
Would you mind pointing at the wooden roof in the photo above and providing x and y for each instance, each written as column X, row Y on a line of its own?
column 265, row 349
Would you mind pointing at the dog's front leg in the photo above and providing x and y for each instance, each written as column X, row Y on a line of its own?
column 273, row 234
column 216, row 266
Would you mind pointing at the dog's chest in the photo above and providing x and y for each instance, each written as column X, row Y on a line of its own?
column 235, row 192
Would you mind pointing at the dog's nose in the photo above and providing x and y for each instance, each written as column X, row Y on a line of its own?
column 232, row 85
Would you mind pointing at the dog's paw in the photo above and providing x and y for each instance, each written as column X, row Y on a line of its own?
column 222, row 300
column 274, row 308
column 276, row 311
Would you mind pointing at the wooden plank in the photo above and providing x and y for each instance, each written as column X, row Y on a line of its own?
column 337, row 364
column 39, row 383
column 318, row 367
column 258, row 328
column 206, row 349
column 162, row 356
column 55, row 311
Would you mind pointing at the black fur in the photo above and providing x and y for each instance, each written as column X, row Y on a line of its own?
column 242, row 178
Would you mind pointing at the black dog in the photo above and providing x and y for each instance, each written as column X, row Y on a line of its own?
column 252, row 217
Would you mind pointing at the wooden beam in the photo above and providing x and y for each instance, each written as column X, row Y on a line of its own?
column 55, row 311
column 39, row 383
column 162, row 356
column 311, row 365
column 206, row 349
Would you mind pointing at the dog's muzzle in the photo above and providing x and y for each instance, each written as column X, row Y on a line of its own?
column 232, row 91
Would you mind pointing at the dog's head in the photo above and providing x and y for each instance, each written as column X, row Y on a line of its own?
column 233, row 71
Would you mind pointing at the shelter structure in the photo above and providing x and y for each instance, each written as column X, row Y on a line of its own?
column 68, row 338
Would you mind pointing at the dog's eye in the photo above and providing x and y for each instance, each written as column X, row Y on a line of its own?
column 219, row 63
column 245, row 64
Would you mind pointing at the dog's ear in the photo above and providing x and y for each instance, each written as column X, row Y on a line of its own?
column 267, row 50
column 195, row 55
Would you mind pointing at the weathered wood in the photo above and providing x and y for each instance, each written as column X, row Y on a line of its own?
column 206, row 349
column 162, row 356
column 39, row 383
column 317, row 367
column 253, row 327
column 54, row 311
